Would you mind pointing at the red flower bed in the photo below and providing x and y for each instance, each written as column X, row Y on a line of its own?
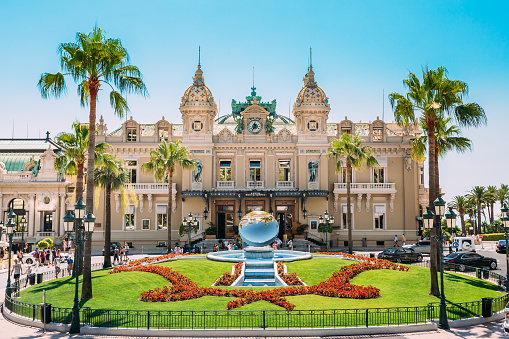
column 289, row 278
column 182, row 288
column 227, row 278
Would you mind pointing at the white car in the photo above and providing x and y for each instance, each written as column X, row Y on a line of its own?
column 29, row 258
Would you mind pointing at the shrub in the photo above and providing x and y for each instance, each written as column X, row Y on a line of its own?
column 211, row 230
column 493, row 237
column 45, row 243
column 301, row 228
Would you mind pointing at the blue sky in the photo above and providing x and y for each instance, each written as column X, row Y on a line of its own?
column 360, row 49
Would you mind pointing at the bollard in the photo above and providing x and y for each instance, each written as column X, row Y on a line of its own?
column 479, row 272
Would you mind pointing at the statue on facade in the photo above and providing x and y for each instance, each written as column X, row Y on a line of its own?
column 37, row 167
column 313, row 169
column 197, row 171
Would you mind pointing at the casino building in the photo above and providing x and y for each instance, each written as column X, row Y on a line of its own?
column 251, row 159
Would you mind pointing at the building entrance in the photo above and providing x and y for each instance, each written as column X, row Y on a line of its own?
column 284, row 217
column 225, row 219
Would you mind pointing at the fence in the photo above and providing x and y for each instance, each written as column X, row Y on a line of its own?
column 247, row 319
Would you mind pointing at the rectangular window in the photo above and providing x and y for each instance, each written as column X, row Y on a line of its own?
column 131, row 134
column 225, row 208
column 251, row 208
column 314, row 224
column 284, row 170
column 163, row 134
column 255, row 170
column 342, row 175
column 421, row 176
column 145, row 224
column 378, row 175
column 162, row 223
column 344, row 216
column 379, row 215
column 377, row 134
column 225, row 170
column 129, row 219
column 132, row 166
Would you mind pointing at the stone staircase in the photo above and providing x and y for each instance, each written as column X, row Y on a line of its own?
column 259, row 273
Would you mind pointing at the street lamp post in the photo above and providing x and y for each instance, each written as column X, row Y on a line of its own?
column 10, row 230
column 78, row 227
column 429, row 222
column 189, row 225
column 326, row 221
column 450, row 218
column 505, row 223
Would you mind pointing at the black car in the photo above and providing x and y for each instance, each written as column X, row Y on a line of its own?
column 462, row 259
column 501, row 246
column 403, row 254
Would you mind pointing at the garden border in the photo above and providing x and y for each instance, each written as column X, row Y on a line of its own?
column 466, row 314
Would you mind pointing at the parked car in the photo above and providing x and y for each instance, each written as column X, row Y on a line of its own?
column 462, row 259
column 463, row 244
column 501, row 247
column 29, row 258
column 423, row 246
column 402, row 254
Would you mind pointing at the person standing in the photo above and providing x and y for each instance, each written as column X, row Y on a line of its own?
column 396, row 241
column 116, row 254
column 70, row 263
column 56, row 262
column 29, row 274
column 290, row 245
column 403, row 240
column 43, row 258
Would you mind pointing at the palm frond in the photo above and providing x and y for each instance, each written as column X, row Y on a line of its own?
column 118, row 103
column 51, row 85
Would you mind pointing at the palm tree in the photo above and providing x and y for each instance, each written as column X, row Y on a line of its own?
column 437, row 96
column 93, row 60
column 348, row 149
column 477, row 193
column 163, row 161
column 471, row 210
column 75, row 152
column 459, row 203
column 503, row 194
column 490, row 197
column 111, row 175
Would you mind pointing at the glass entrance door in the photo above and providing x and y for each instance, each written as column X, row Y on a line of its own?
column 225, row 220
column 48, row 222
column 284, row 215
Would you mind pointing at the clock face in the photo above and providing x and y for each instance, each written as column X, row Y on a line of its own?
column 254, row 125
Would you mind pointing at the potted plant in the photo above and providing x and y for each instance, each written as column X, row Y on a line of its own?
column 300, row 231
column 211, row 231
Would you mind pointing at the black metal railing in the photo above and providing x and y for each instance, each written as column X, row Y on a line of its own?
column 251, row 319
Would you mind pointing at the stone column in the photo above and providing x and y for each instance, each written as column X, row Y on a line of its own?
column 1, row 207
column 31, row 214
column 62, row 212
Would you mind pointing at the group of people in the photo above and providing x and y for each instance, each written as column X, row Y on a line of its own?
column 121, row 254
column 403, row 240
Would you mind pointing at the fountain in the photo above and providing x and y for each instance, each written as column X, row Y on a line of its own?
column 258, row 229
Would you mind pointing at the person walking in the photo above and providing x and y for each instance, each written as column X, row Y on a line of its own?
column 16, row 271
column 56, row 262
column 396, row 241
column 29, row 274
column 403, row 240
column 43, row 258
column 37, row 256
column 290, row 245
column 116, row 254
column 70, row 264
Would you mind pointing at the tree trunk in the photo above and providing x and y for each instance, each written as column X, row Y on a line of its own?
column 107, row 229
column 79, row 181
column 78, row 259
column 479, row 223
column 348, row 209
column 462, row 218
column 168, row 208
column 433, row 190
column 492, row 214
column 86, row 292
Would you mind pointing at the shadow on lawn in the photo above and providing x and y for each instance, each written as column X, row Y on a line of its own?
column 473, row 282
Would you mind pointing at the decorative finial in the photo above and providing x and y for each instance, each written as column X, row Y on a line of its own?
column 199, row 56
column 310, row 59
column 253, row 76
column 198, row 76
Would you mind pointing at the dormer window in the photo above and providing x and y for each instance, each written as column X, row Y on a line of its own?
column 131, row 134
column 313, row 125
column 377, row 134
column 163, row 134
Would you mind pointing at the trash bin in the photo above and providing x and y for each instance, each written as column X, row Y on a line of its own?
column 45, row 313
column 479, row 273
column 31, row 279
column 372, row 255
column 39, row 278
column 487, row 307
column 485, row 274
column 364, row 242
column 331, row 243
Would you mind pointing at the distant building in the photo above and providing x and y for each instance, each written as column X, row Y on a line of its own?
column 251, row 159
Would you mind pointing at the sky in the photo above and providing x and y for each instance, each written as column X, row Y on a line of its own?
column 362, row 50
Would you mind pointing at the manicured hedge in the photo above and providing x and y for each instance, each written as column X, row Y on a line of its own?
column 493, row 237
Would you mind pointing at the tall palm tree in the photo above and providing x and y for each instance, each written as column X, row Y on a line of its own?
column 503, row 194
column 477, row 193
column 75, row 152
column 92, row 60
column 110, row 175
column 471, row 210
column 490, row 197
column 348, row 150
column 436, row 96
column 459, row 203
column 163, row 162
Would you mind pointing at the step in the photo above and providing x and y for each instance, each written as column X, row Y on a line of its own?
column 259, row 282
column 259, row 270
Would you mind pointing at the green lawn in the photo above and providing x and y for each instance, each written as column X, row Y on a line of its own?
column 120, row 291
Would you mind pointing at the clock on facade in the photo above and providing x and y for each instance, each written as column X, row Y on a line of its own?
column 254, row 125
